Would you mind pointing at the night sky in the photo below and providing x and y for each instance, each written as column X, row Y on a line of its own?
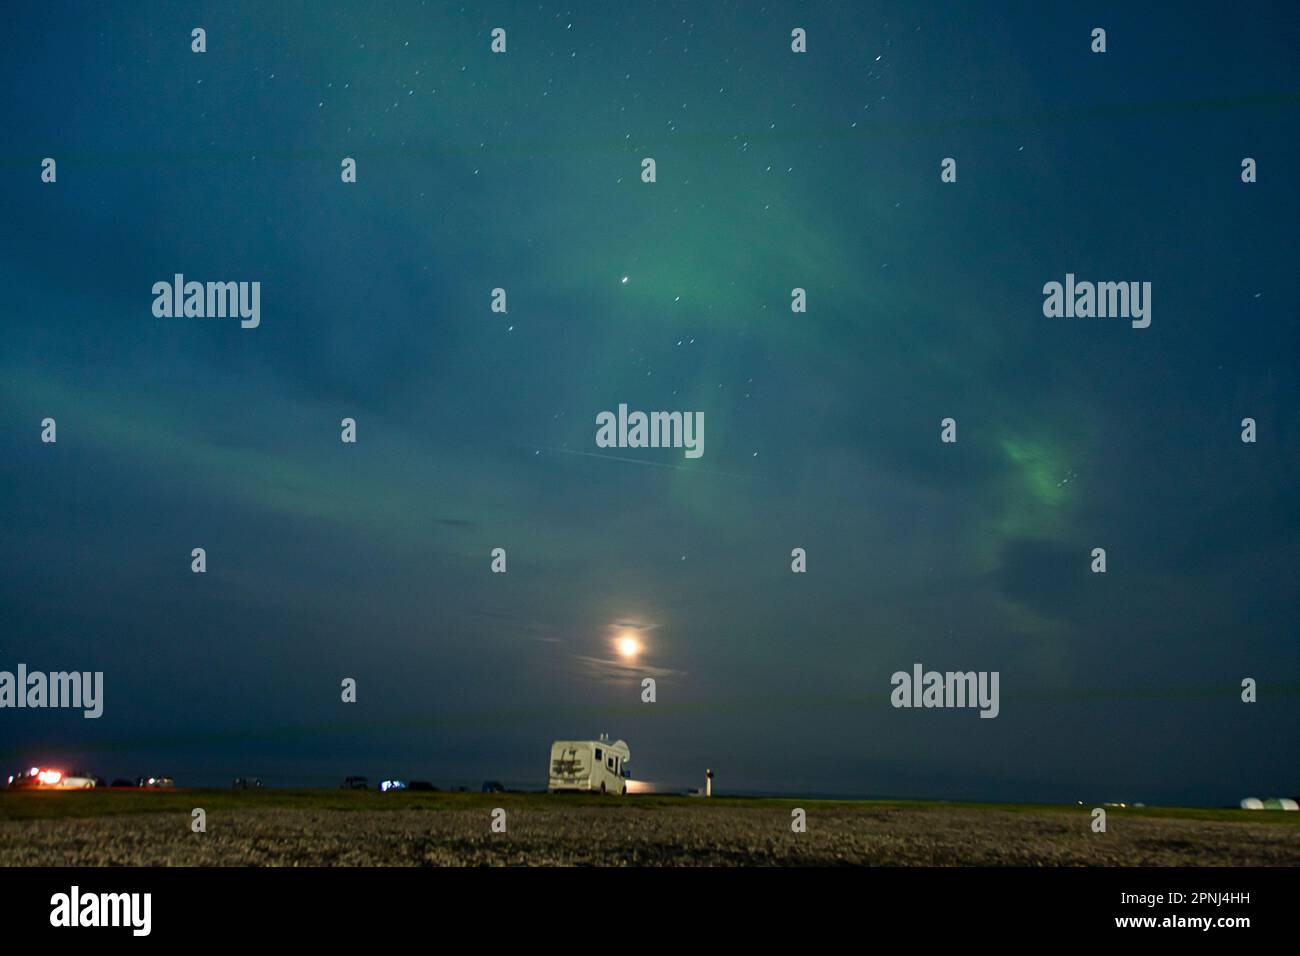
column 476, row 430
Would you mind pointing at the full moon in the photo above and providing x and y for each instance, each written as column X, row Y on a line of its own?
column 629, row 646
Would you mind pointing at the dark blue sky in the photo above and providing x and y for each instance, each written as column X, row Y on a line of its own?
column 477, row 430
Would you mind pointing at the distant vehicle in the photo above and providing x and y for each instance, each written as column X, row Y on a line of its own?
column 38, row 778
column 388, row 786
column 26, row 779
column 355, row 783
column 594, row 766
column 493, row 786
column 155, row 783
column 1269, row 803
column 422, row 785
column 247, row 783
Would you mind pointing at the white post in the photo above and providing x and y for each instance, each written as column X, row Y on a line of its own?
column 708, row 783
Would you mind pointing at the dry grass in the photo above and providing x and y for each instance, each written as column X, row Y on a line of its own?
column 342, row 829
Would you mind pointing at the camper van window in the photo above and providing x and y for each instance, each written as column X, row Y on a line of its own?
column 598, row 753
column 609, row 762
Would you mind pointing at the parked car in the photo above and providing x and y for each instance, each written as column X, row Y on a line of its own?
column 388, row 786
column 44, row 778
column 247, row 783
column 155, row 783
column 493, row 786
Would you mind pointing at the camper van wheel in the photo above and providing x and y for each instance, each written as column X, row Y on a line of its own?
column 623, row 792
column 602, row 787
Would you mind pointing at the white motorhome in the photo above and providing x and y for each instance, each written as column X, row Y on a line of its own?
column 595, row 766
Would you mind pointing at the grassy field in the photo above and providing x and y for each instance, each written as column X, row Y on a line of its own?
column 32, row 804
column 340, row 827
